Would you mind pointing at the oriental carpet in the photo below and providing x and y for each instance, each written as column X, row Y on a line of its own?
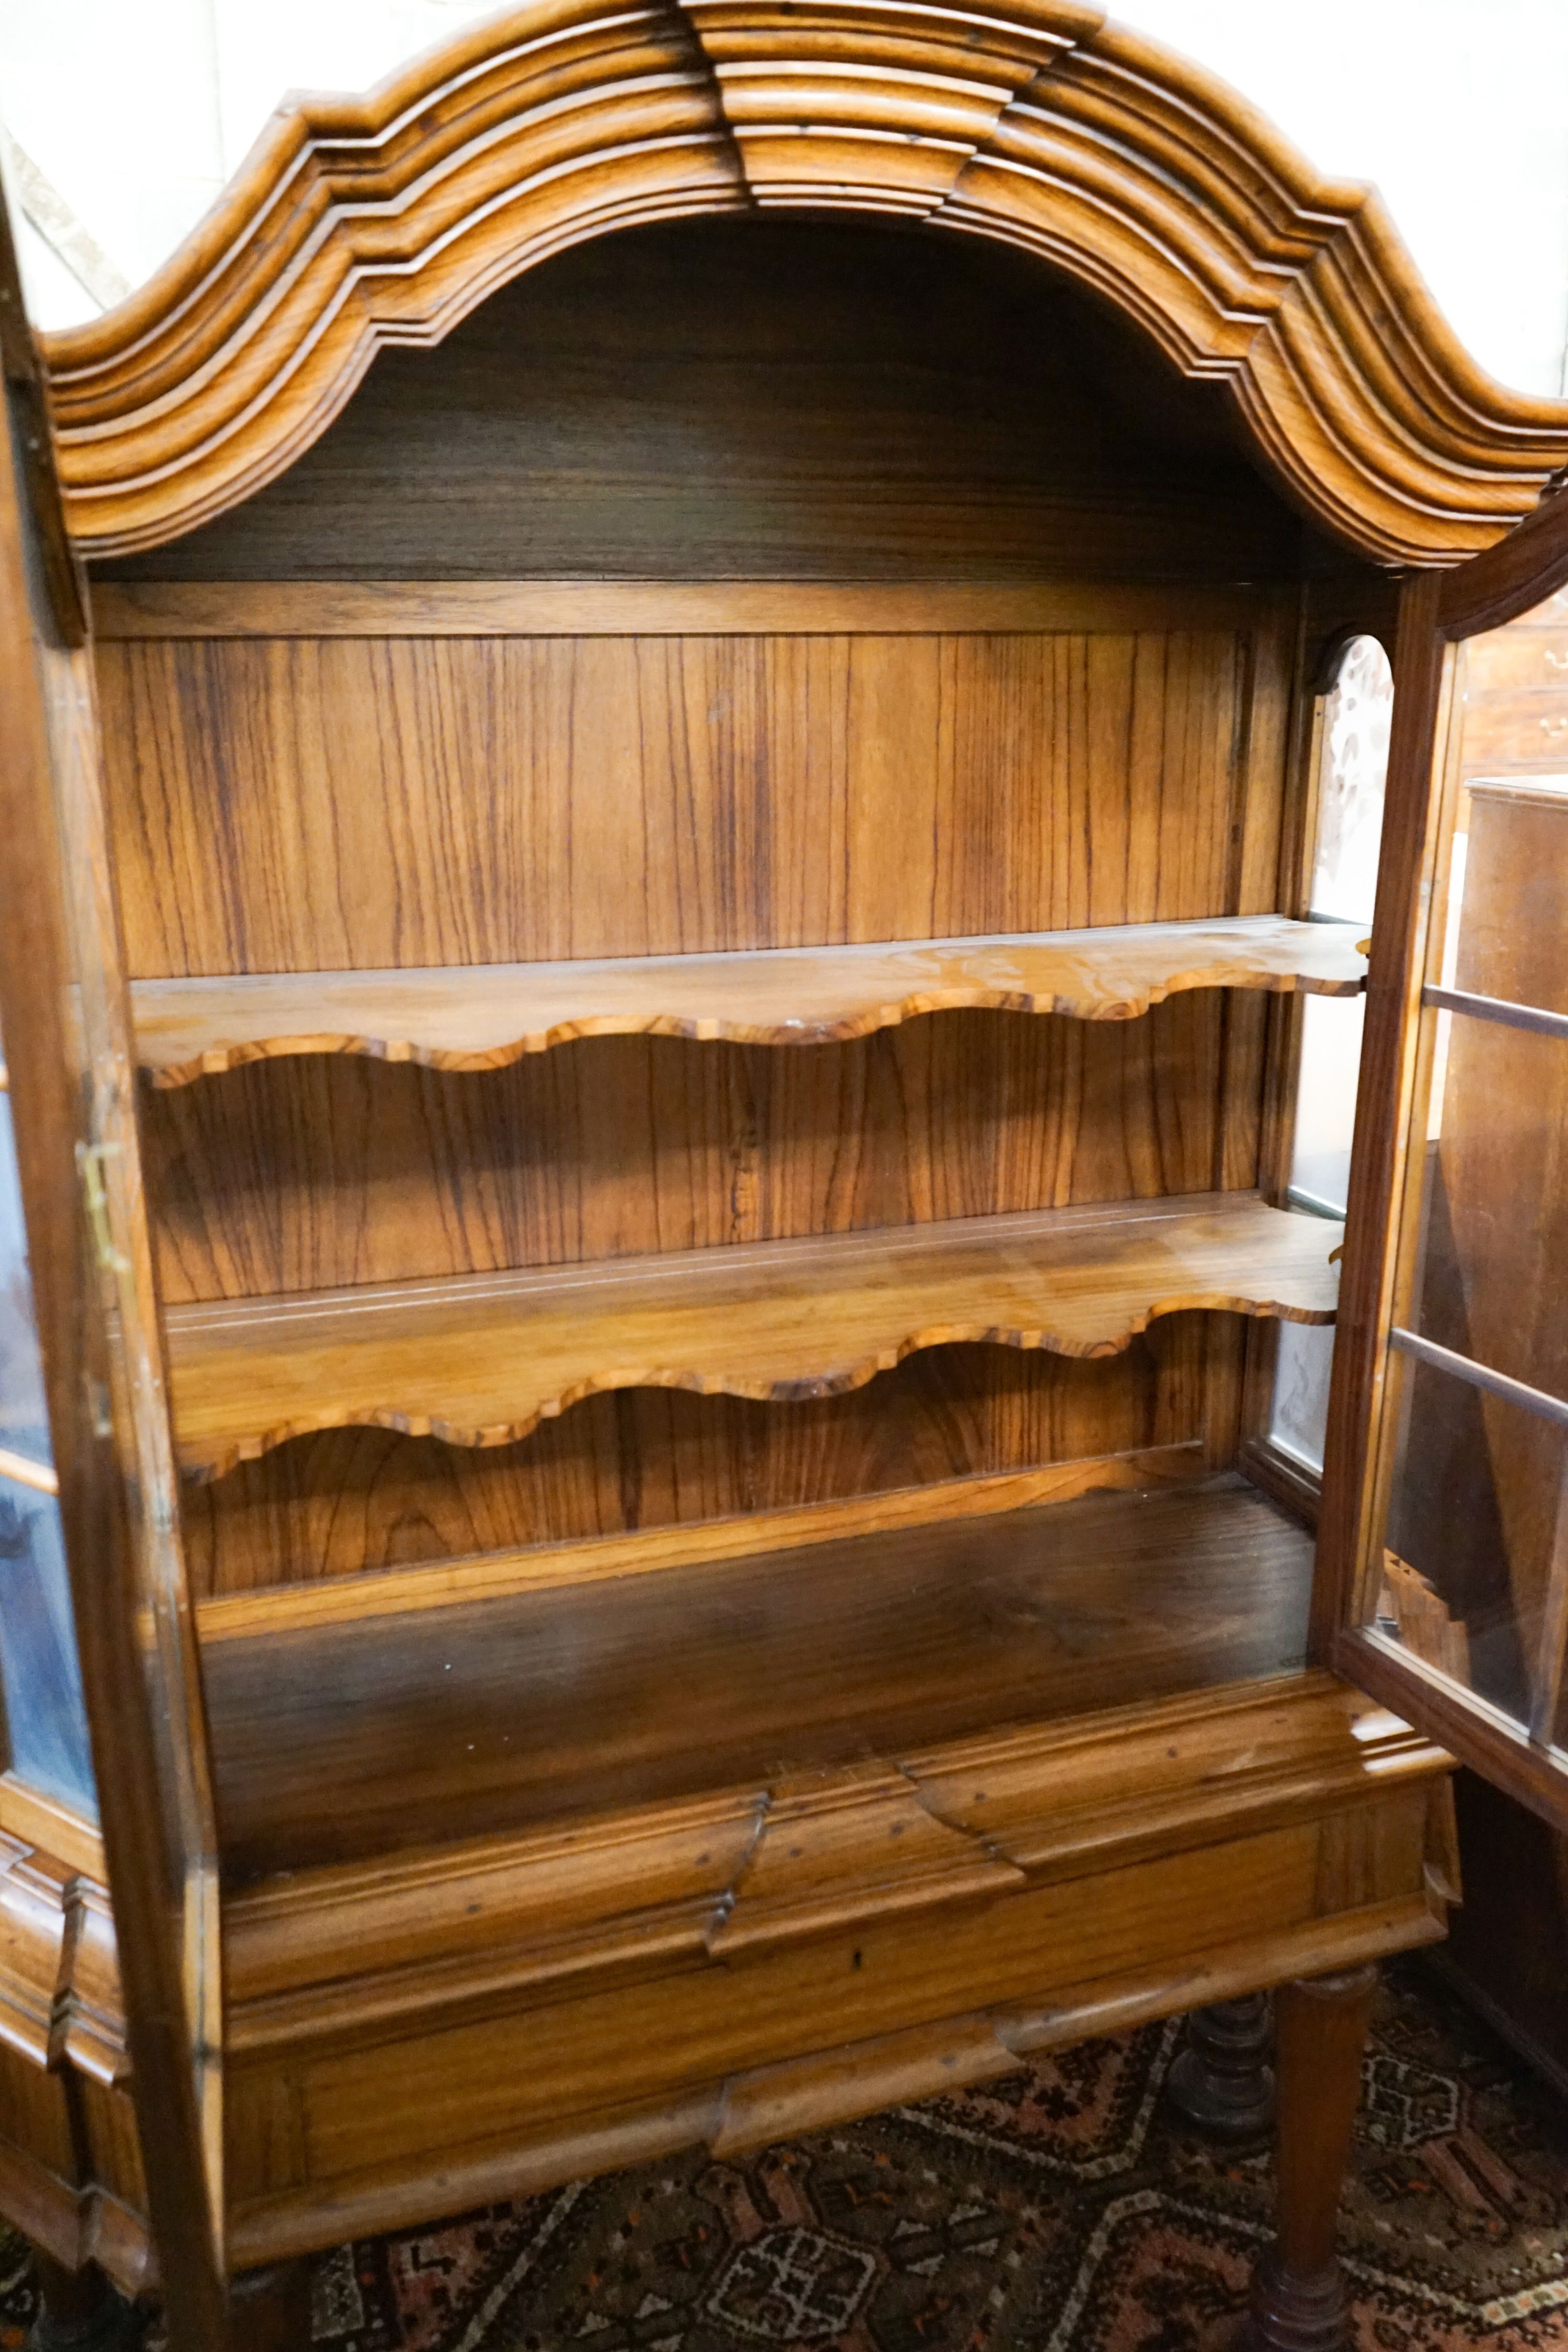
column 1061, row 2209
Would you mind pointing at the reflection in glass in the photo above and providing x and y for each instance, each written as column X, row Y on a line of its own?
column 1494, row 1225
column 1476, row 1563
column 1301, row 1366
column 24, row 1417
column 46, row 1721
column 1506, row 930
column 43, row 1728
column 1325, row 1101
column 1472, row 1535
column 1356, row 716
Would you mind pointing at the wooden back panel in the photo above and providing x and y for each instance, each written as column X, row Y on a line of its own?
column 370, row 801
column 754, row 398
column 411, row 777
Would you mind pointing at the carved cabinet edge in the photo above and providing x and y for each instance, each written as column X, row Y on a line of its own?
column 358, row 222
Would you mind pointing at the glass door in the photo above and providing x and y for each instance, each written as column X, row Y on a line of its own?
column 88, row 1496
column 1459, row 1603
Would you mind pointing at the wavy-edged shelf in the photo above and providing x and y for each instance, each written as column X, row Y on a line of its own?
column 481, row 1018
column 482, row 1361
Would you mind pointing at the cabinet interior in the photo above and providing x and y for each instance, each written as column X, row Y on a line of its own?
column 713, row 884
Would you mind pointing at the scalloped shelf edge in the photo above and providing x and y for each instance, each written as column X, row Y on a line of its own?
column 835, row 1381
column 1128, row 1004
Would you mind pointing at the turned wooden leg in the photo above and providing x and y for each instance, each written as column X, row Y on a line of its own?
column 269, row 2311
column 81, row 2311
column 1221, row 2080
column 1298, row 2300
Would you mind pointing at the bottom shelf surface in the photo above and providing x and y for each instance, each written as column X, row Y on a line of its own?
column 347, row 1741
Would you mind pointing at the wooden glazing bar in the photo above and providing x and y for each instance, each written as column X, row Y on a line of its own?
column 481, row 1360
column 481, row 1018
column 1490, row 1741
column 38, row 1820
column 1550, row 1662
column 40, row 1475
column 1494, row 1008
column 1479, row 1376
column 572, row 608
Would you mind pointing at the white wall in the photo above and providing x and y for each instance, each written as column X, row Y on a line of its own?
column 138, row 109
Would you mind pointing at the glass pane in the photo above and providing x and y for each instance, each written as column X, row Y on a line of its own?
column 45, row 1738
column 1325, row 1100
column 1494, row 1227
column 1356, row 719
column 46, row 1723
column 24, row 1416
column 1301, row 1368
column 1474, row 1571
column 1508, row 893
column 1355, row 760
column 1472, row 1534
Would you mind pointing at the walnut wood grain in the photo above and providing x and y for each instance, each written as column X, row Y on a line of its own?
column 730, row 586
column 310, row 1948
column 791, row 446
column 339, row 1741
column 500, row 1574
column 481, row 1362
column 91, row 1285
column 492, row 1015
column 41, row 1820
column 657, row 1465
column 1134, row 173
column 358, row 804
column 1300, row 2300
column 1521, row 572
column 1354, row 1455
column 615, row 1145
column 518, row 2011
column 179, row 608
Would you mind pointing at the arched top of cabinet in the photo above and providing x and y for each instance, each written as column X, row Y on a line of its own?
column 358, row 223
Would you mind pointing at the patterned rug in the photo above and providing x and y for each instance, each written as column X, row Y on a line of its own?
column 1058, row 2210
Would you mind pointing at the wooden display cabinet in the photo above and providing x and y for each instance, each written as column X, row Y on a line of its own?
column 656, row 924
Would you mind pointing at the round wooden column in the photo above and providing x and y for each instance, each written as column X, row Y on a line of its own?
column 1299, row 2298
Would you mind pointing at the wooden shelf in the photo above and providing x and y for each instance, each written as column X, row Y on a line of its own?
column 348, row 1741
column 481, row 1360
column 482, row 1017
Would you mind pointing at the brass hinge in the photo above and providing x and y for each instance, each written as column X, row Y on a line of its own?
column 90, row 1160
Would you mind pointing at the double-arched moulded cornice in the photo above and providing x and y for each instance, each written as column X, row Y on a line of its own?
column 360, row 224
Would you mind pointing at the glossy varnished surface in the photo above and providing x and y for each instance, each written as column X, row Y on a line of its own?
column 481, row 1362
column 613, row 1146
column 1047, row 130
column 493, row 1014
column 502, row 1572
column 348, row 1739
column 783, row 400
column 363, row 803
column 659, row 1466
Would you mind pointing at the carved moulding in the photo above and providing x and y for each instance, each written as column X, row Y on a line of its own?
column 70, row 2172
column 359, row 224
